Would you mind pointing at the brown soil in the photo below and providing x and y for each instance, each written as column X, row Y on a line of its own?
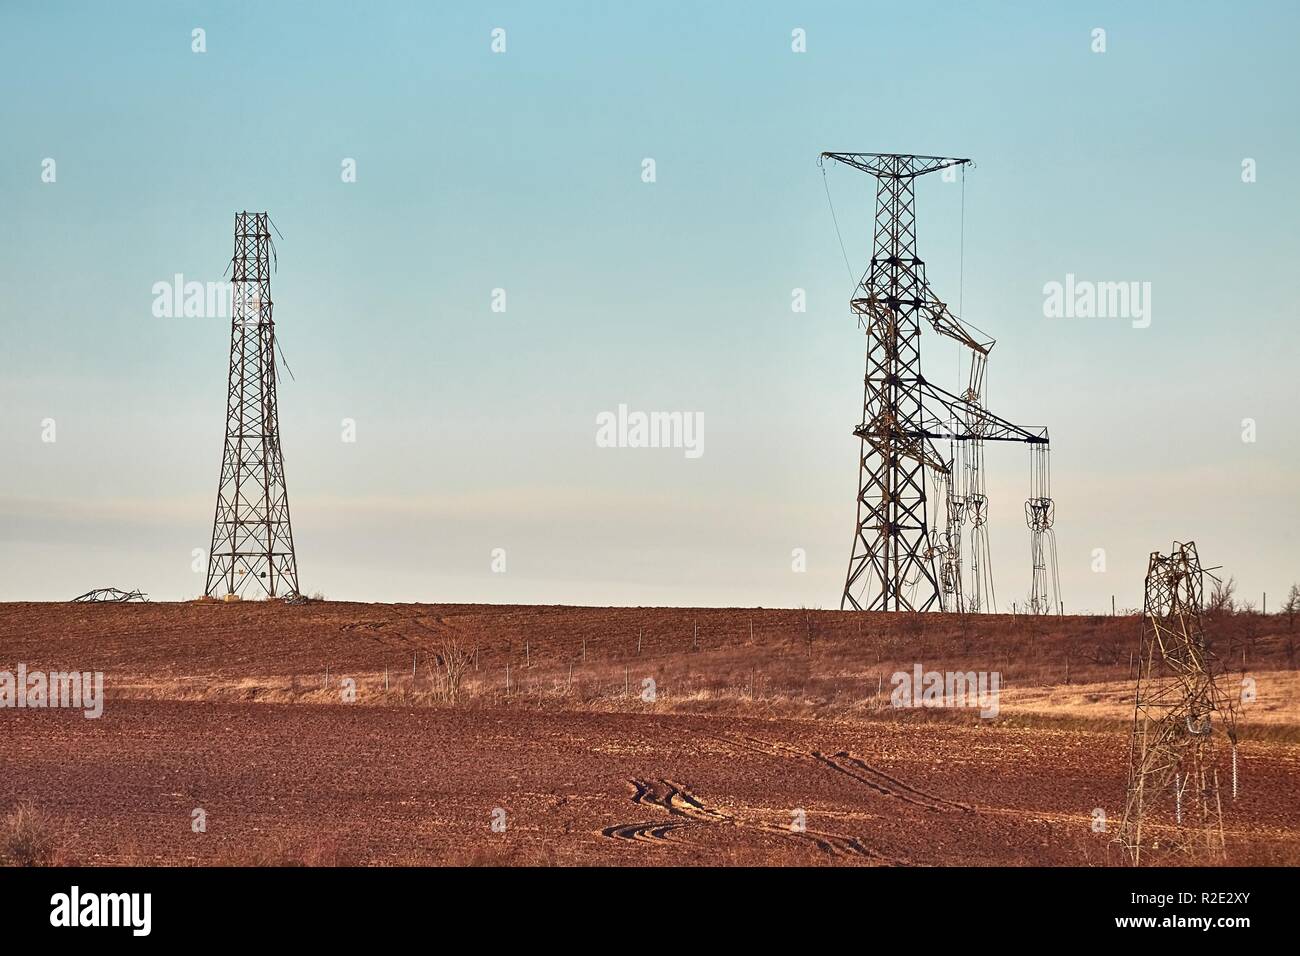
column 224, row 708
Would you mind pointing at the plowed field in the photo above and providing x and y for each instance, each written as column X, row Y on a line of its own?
column 773, row 749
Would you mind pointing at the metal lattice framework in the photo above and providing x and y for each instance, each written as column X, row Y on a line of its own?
column 898, row 562
column 110, row 596
column 1040, row 514
column 252, row 540
column 1180, row 708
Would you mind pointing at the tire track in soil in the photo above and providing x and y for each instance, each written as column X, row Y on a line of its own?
column 680, row 802
column 833, row 843
column 642, row 832
column 858, row 769
column 665, row 796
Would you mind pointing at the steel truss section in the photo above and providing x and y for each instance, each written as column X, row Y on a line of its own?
column 252, row 539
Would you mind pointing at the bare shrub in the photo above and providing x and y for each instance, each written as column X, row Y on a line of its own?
column 29, row 837
column 1222, row 598
column 454, row 660
column 1106, row 653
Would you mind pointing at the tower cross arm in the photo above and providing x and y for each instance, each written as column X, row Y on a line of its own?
column 893, row 165
column 950, row 326
column 964, row 420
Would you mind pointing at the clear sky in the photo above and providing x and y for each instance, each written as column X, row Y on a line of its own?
column 522, row 170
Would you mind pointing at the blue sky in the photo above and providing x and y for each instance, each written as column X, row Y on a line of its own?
column 522, row 171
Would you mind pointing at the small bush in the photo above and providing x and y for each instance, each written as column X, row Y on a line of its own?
column 29, row 837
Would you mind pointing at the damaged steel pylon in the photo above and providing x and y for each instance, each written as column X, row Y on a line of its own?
column 900, row 561
column 1181, row 710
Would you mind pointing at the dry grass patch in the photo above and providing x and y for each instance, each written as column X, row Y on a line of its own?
column 30, row 837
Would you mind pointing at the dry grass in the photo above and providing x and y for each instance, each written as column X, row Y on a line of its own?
column 728, row 683
column 1074, row 672
column 1277, row 696
column 280, row 851
column 30, row 837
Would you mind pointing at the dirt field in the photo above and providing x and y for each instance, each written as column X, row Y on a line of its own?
column 770, row 739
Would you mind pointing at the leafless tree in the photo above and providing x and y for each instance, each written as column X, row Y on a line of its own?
column 1292, row 606
column 1250, row 626
column 1223, row 598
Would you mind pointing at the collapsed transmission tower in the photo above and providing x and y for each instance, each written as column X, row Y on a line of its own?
column 110, row 596
column 1174, row 799
column 252, row 540
column 899, row 562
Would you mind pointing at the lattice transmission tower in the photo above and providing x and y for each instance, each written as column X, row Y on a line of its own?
column 252, row 540
column 1174, row 799
column 918, row 441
